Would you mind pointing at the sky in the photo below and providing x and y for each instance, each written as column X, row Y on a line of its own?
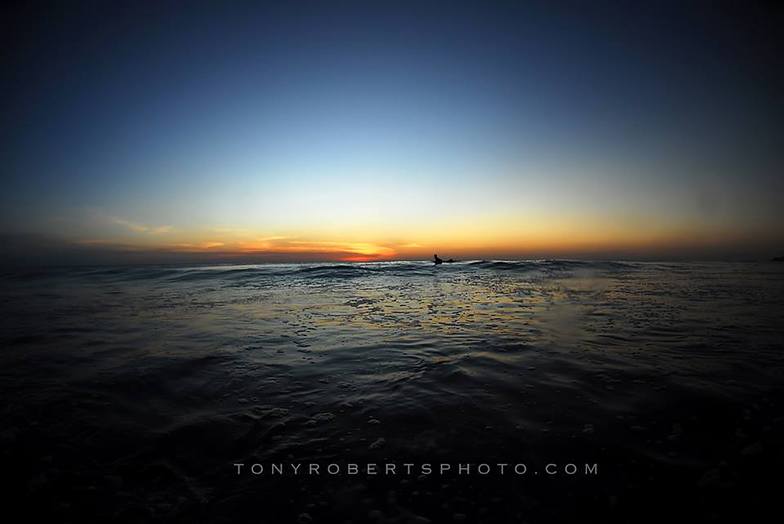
column 160, row 132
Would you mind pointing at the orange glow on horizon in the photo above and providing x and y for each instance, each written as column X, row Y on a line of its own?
column 494, row 236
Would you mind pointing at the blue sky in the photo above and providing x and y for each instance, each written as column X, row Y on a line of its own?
column 486, row 129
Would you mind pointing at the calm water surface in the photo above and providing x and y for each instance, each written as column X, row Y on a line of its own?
column 130, row 392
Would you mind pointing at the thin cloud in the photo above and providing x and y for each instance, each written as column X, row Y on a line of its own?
column 136, row 227
column 281, row 245
column 201, row 246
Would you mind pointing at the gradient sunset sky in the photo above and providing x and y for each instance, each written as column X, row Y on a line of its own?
column 149, row 131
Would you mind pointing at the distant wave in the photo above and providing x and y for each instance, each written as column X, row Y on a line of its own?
column 549, row 265
column 243, row 273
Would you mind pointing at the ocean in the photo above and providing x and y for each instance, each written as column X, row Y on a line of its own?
column 619, row 391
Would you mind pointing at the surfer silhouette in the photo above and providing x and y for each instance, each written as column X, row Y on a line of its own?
column 438, row 261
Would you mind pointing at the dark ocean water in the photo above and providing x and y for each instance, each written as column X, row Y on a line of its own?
column 129, row 393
